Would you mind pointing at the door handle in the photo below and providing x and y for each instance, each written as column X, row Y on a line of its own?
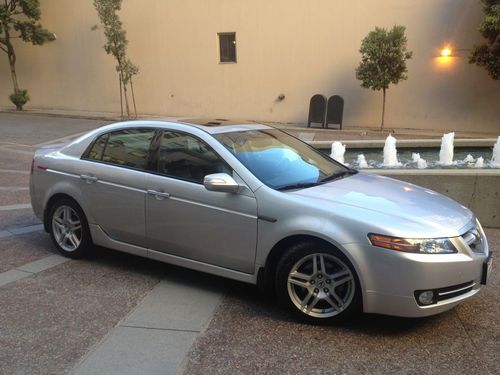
column 159, row 195
column 88, row 179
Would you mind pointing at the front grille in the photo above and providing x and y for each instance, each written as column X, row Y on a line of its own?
column 454, row 291
column 474, row 240
column 445, row 293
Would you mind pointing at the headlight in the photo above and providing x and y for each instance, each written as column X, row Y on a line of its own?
column 413, row 245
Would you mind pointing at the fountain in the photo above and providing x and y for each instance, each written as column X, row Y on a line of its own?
column 469, row 159
column 432, row 154
column 338, row 151
column 479, row 163
column 390, row 152
column 362, row 161
column 421, row 163
column 495, row 159
column 446, row 152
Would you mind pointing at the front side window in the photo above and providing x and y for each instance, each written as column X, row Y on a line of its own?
column 279, row 160
column 128, row 148
column 186, row 157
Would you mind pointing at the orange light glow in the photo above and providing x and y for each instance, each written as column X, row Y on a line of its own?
column 444, row 60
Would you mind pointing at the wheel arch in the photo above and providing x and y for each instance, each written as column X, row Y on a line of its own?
column 51, row 201
column 267, row 272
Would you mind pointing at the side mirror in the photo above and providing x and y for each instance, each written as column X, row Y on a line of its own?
column 221, row 182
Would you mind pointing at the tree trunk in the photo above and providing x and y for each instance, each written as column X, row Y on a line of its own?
column 133, row 96
column 12, row 60
column 383, row 111
column 124, row 86
column 125, row 95
column 12, row 63
column 121, row 99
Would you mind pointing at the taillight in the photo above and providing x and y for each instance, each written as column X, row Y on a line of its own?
column 39, row 167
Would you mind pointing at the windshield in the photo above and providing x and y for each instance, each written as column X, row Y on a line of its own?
column 281, row 161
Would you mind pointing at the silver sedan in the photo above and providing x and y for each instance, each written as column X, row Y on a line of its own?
column 252, row 203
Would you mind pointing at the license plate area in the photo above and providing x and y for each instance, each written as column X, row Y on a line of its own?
column 487, row 265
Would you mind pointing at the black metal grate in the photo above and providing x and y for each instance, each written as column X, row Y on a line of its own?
column 454, row 291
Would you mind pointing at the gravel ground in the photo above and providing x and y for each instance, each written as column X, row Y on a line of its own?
column 249, row 335
column 50, row 320
column 14, row 179
column 29, row 129
column 16, row 251
column 14, row 197
column 15, row 218
column 14, row 160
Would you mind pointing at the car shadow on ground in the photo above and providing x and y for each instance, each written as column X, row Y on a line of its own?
column 172, row 273
column 249, row 296
column 370, row 324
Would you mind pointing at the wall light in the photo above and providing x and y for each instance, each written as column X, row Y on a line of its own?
column 446, row 52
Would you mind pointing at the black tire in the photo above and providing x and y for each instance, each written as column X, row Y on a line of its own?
column 331, row 297
column 56, row 233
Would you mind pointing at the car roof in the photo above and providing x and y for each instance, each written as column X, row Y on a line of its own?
column 220, row 125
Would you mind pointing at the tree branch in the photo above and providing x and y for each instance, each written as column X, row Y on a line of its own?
column 12, row 5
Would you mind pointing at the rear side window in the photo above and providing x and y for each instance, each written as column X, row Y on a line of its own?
column 128, row 148
column 188, row 158
column 95, row 152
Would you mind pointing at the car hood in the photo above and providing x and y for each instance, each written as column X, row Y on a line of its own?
column 400, row 208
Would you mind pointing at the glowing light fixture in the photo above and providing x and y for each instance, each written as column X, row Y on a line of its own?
column 446, row 52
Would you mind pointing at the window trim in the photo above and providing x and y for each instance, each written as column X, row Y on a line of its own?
column 155, row 156
column 85, row 155
column 219, row 49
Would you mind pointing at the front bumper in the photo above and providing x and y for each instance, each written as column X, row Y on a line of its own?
column 389, row 279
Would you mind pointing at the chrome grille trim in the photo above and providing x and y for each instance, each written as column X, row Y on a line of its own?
column 440, row 294
column 453, row 291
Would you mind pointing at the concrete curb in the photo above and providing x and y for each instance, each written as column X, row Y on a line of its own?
column 31, row 268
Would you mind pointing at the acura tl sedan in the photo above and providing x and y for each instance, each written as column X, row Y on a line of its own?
column 249, row 202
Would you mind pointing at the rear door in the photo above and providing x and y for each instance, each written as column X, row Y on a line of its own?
column 113, row 181
column 185, row 219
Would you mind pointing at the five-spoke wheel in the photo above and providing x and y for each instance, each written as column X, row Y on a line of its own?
column 321, row 285
column 68, row 228
column 318, row 283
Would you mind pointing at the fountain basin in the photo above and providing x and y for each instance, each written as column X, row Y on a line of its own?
column 475, row 188
column 427, row 148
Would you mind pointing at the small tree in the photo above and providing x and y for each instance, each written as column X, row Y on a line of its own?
column 20, row 19
column 116, row 45
column 487, row 54
column 383, row 60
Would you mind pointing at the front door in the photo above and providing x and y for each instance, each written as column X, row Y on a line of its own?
column 186, row 220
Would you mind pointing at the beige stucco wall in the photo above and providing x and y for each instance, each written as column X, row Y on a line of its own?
column 294, row 47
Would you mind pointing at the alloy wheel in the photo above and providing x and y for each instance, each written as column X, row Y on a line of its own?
column 321, row 285
column 67, row 228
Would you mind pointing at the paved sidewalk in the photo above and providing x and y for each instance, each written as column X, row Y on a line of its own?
column 157, row 335
column 349, row 132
